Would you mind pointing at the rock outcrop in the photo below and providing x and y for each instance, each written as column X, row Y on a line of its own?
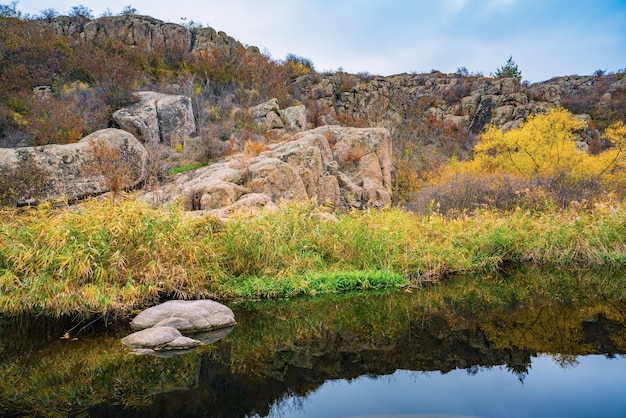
column 144, row 32
column 161, row 327
column 460, row 101
column 158, row 117
column 75, row 171
column 338, row 167
column 387, row 101
column 277, row 122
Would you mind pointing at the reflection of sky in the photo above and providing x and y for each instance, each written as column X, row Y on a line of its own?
column 595, row 387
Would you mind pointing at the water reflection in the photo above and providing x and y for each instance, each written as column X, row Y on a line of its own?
column 594, row 388
column 286, row 354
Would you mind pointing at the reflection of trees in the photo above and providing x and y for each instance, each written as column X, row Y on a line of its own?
column 566, row 361
column 279, row 349
column 292, row 348
column 43, row 375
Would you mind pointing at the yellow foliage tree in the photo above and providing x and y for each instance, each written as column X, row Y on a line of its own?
column 545, row 146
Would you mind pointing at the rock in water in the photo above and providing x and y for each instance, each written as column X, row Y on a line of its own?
column 160, row 338
column 187, row 316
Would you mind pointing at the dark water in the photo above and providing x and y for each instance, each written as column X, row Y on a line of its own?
column 373, row 354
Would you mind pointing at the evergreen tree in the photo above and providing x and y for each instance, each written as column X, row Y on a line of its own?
column 509, row 70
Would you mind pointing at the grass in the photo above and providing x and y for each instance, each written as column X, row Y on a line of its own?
column 103, row 258
column 184, row 169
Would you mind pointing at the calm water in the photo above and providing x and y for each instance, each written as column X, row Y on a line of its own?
column 594, row 387
column 368, row 355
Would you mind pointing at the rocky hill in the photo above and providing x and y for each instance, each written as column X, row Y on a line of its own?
column 72, row 76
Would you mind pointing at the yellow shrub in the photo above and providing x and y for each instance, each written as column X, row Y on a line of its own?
column 545, row 146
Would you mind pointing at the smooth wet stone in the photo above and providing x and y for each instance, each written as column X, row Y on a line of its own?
column 188, row 316
column 160, row 338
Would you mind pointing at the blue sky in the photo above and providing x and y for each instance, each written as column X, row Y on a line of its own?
column 546, row 38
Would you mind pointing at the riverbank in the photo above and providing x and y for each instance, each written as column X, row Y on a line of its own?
column 113, row 259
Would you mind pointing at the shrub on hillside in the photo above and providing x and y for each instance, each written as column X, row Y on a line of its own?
column 464, row 193
column 107, row 163
column 461, row 193
column 422, row 145
column 299, row 66
column 66, row 117
column 26, row 181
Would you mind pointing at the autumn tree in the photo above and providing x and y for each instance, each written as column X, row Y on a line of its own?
column 108, row 163
column 545, row 146
column 538, row 165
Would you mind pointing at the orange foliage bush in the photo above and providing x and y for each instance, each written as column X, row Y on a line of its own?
column 347, row 120
column 107, row 162
column 253, row 148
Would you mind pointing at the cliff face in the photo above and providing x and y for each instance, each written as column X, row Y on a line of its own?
column 143, row 32
column 467, row 102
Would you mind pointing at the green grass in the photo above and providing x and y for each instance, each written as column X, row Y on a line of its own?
column 184, row 169
column 104, row 258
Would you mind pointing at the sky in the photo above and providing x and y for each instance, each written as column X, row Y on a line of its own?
column 545, row 38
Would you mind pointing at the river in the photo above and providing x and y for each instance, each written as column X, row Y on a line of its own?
column 373, row 354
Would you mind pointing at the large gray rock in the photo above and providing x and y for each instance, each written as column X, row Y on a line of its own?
column 275, row 179
column 364, row 157
column 294, row 117
column 158, row 117
column 186, row 316
column 72, row 171
column 271, row 118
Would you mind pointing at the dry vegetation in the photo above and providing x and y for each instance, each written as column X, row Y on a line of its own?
column 102, row 258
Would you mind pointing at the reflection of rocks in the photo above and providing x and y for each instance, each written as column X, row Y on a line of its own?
column 161, row 326
column 164, row 341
